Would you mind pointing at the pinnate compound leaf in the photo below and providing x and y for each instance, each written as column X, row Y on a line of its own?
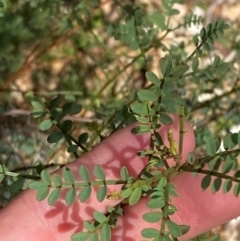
column 152, row 78
column 100, row 217
column 135, row 196
column 146, row 95
column 165, row 66
column 101, row 193
column 99, row 173
column 85, row 193
column 150, row 232
column 70, row 196
column 82, row 236
column 153, row 217
column 206, row 182
column 84, row 174
column 68, row 175
column 45, row 125
column 54, row 196
column 174, row 228
column 46, row 177
column 55, row 137
column 105, row 232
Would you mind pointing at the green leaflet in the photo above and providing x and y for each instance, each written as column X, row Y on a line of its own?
column 68, row 175
column 135, row 196
column 70, row 196
column 105, row 232
column 99, row 173
column 54, row 196
column 152, row 77
column 100, row 217
column 174, row 229
column 153, row 217
column 85, row 193
column 84, row 174
column 101, row 193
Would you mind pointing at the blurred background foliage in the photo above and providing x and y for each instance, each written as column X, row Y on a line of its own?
column 96, row 53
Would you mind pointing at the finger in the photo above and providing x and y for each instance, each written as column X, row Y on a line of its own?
column 59, row 221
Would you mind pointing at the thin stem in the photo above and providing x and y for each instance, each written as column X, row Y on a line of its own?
column 181, row 133
column 72, row 139
column 212, row 173
column 207, row 159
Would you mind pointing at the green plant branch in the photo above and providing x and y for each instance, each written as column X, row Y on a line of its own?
column 72, row 139
column 25, row 168
column 165, row 211
column 14, row 174
column 206, row 159
column 209, row 172
column 181, row 134
column 215, row 99
column 92, row 183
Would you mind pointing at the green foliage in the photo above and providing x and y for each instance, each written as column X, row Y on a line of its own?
column 104, row 89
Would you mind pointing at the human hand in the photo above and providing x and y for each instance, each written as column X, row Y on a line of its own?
column 26, row 219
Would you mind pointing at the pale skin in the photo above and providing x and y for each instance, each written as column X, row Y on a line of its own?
column 26, row 219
